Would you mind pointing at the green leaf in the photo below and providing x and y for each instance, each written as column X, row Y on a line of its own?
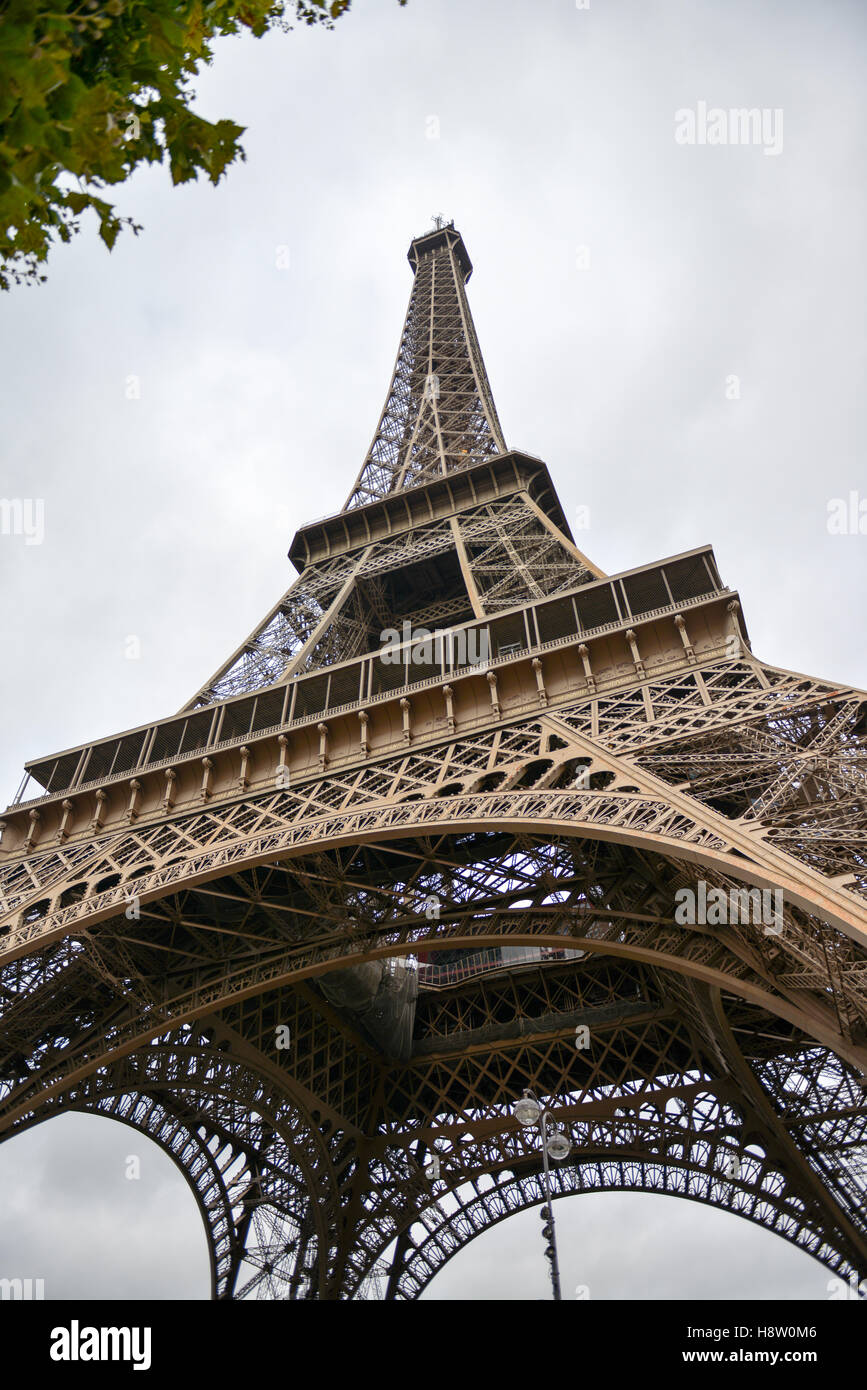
column 71, row 74
column 108, row 230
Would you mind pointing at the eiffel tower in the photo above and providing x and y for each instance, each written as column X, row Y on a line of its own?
column 463, row 816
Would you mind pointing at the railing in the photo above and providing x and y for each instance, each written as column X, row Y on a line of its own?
column 380, row 697
column 431, row 975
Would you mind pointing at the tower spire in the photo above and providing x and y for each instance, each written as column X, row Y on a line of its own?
column 439, row 414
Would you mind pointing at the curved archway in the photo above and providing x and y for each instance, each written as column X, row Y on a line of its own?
column 473, row 1217
column 97, row 1211
column 261, row 1170
column 686, row 1139
column 675, row 827
column 484, row 871
column 627, row 1245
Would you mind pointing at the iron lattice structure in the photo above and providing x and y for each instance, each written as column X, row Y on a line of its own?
column 433, row 869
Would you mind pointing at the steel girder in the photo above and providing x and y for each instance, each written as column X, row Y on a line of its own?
column 150, row 963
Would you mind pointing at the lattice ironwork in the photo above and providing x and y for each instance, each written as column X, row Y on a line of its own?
column 439, row 414
column 428, row 888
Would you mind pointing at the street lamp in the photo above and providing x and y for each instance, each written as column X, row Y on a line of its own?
column 527, row 1111
column 559, row 1146
column 530, row 1114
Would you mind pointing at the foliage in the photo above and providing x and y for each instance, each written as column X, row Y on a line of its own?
column 90, row 89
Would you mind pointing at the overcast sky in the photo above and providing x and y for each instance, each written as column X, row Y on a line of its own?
column 622, row 282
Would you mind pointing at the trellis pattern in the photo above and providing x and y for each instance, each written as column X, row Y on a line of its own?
column 166, row 968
